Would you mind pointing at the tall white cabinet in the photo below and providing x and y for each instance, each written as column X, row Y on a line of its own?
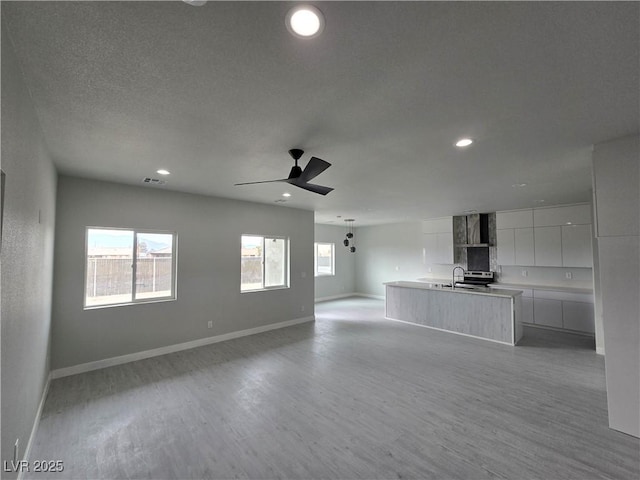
column 545, row 237
column 437, row 241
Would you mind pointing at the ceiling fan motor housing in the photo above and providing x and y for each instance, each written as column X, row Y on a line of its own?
column 296, row 171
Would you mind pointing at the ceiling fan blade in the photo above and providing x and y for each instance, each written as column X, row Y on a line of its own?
column 313, row 188
column 265, row 181
column 314, row 168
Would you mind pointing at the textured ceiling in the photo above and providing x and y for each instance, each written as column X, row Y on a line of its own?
column 217, row 94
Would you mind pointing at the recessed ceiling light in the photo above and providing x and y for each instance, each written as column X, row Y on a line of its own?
column 305, row 21
column 517, row 185
column 464, row 142
column 286, row 194
column 162, row 171
column 195, row 3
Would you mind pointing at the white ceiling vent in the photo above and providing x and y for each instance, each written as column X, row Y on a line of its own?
column 153, row 181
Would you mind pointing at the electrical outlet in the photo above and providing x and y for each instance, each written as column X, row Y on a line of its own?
column 429, row 270
column 303, row 274
column 568, row 275
column 210, row 324
column 397, row 268
column 302, row 308
column 525, row 273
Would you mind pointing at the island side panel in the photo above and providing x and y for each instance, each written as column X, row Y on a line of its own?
column 517, row 319
column 484, row 316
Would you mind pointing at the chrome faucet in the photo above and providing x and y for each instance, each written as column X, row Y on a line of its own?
column 453, row 280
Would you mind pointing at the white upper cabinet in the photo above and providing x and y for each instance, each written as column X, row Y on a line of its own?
column 548, row 246
column 445, row 247
column 576, row 246
column 438, row 225
column 545, row 237
column 506, row 246
column 556, row 216
column 438, row 240
column 514, row 219
column 524, row 246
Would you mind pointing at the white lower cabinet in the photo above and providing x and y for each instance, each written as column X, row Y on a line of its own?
column 527, row 310
column 547, row 312
column 578, row 316
column 561, row 309
column 556, row 308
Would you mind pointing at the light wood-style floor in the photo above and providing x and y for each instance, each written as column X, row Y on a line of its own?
column 350, row 396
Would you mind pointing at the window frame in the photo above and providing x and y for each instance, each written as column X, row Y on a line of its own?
column 136, row 231
column 287, row 273
column 315, row 259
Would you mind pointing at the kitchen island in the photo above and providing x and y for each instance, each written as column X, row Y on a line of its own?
column 487, row 313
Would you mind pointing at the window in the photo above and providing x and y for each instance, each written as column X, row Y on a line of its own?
column 324, row 259
column 129, row 266
column 264, row 263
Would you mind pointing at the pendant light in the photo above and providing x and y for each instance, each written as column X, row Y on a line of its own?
column 349, row 241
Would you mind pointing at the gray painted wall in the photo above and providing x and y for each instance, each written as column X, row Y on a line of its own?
column 209, row 231
column 617, row 196
column 387, row 253
column 26, row 258
column 343, row 282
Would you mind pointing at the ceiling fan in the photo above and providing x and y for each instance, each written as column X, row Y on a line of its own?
column 299, row 177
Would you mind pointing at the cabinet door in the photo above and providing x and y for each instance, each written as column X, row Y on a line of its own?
column 548, row 246
column 514, row 219
column 576, row 246
column 527, row 310
column 430, row 244
column 578, row 316
column 438, row 225
column 550, row 216
column 524, row 250
column 547, row 312
column 506, row 247
column 444, row 243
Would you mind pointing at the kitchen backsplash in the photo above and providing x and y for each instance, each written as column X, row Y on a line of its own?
column 549, row 276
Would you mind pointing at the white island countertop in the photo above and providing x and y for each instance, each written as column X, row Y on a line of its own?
column 492, row 292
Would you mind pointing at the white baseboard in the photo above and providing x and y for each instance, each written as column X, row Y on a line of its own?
column 335, row 297
column 36, row 424
column 345, row 295
column 132, row 357
column 556, row 329
column 368, row 295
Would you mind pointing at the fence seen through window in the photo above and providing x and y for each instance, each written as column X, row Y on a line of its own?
column 126, row 266
column 264, row 263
